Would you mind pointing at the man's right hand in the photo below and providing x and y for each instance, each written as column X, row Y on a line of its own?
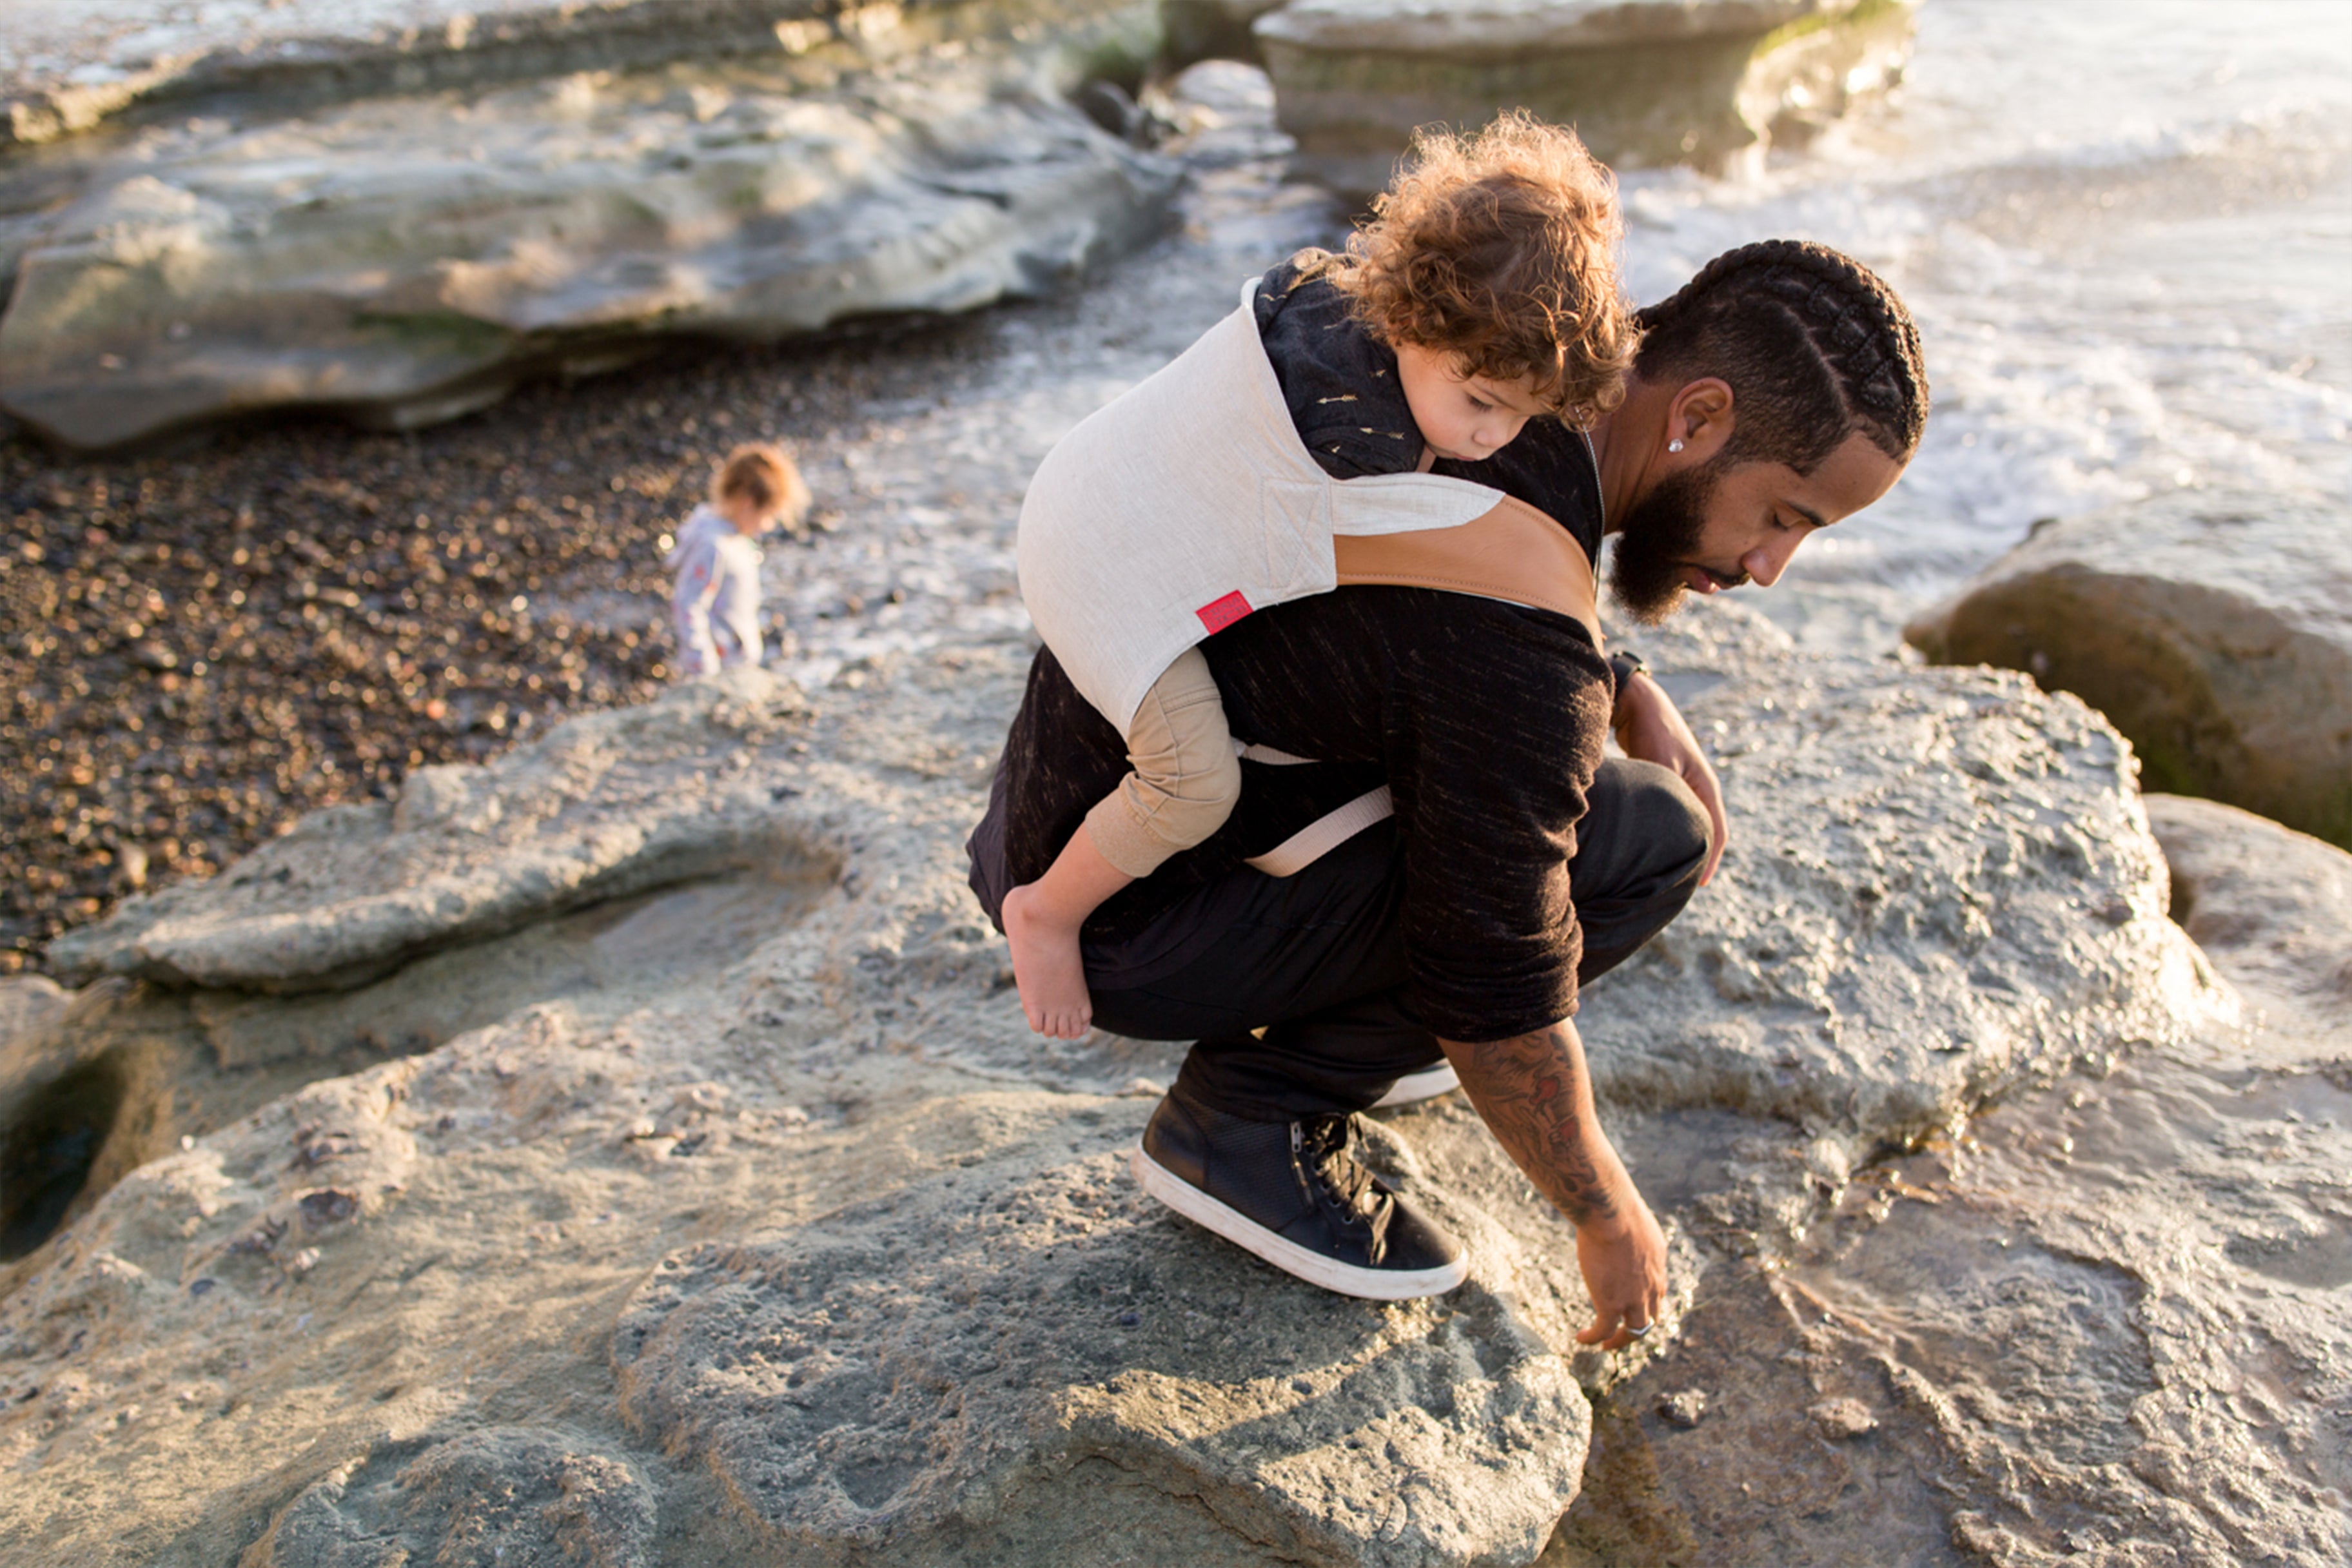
column 1535, row 1096
column 1625, row 1265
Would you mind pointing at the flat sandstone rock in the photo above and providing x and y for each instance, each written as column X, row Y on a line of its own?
column 67, row 66
column 405, row 258
column 607, row 805
column 2215, row 629
column 1016, row 1363
column 511, row 1496
column 1709, row 84
column 825, row 1256
column 1939, row 884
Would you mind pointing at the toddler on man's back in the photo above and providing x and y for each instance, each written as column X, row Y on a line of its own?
column 1481, row 294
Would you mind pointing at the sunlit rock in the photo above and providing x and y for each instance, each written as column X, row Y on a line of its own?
column 68, row 67
column 817, row 1245
column 607, row 805
column 1020, row 1361
column 505, row 1494
column 1938, row 883
column 2271, row 907
column 846, row 1113
column 2215, row 630
column 1710, row 84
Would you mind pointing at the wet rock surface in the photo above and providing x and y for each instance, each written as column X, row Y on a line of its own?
column 2106, row 1323
column 2213, row 629
column 2270, row 906
column 1710, row 84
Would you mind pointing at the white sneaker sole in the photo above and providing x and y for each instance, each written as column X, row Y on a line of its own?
column 1345, row 1279
column 1417, row 1087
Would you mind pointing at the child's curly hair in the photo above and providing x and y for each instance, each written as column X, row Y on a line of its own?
column 1501, row 249
column 763, row 474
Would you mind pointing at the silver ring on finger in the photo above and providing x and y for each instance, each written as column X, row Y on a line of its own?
column 1641, row 1332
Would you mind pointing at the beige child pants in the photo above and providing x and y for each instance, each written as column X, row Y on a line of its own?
column 1186, row 776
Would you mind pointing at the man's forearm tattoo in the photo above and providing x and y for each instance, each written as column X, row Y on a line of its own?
column 1534, row 1094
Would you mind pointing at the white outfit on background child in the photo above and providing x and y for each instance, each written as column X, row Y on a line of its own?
column 715, row 609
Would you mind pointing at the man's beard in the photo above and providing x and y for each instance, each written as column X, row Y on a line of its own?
column 1659, row 538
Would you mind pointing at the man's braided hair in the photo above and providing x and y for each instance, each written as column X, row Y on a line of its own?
column 1814, row 345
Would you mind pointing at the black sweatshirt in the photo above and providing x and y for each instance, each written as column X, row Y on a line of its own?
column 1485, row 719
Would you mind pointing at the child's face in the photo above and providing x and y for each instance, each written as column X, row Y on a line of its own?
column 1466, row 418
column 748, row 516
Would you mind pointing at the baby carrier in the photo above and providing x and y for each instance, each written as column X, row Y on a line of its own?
column 1190, row 501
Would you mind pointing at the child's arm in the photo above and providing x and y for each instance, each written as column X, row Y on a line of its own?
column 698, row 586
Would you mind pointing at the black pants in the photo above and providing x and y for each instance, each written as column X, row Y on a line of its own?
column 1316, row 962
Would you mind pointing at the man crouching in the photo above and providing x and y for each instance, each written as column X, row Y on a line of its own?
column 1778, row 392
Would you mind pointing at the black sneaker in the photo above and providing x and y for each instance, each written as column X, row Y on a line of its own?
column 1295, row 1194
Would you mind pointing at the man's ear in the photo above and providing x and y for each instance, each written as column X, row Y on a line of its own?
column 1700, row 417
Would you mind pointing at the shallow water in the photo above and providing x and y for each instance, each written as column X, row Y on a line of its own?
column 2122, row 226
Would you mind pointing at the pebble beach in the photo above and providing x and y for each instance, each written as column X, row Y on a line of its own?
column 202, row 645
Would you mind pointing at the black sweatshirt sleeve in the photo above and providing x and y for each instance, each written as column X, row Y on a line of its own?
column 1494, row 733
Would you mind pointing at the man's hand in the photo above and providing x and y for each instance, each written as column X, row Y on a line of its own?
column 1650, row 727
column 1535, row 1097
column 1625, row 1265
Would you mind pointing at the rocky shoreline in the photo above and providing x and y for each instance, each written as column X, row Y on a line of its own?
column 611, row 1137
column 339, row 230
column 145, row 767
column 800, row 1170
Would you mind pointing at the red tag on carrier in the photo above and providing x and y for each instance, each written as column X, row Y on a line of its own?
column 1222, row 613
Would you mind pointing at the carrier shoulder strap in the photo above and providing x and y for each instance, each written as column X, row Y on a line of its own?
column 1512, row 552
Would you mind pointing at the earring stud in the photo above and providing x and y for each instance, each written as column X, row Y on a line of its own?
column 1674, row 445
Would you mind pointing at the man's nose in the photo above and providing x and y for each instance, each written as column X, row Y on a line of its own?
column 1764, row 564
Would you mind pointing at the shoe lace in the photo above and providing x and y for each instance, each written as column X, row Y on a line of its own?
column 1325, row 1148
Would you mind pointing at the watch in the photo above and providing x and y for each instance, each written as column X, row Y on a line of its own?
column 1623, row 666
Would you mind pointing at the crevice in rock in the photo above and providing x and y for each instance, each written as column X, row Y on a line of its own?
column 47, row 1150
column 163, row 1063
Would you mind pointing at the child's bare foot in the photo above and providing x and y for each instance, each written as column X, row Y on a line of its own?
column 1047, row 968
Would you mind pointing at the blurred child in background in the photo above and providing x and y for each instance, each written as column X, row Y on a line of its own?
column 716, row 605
